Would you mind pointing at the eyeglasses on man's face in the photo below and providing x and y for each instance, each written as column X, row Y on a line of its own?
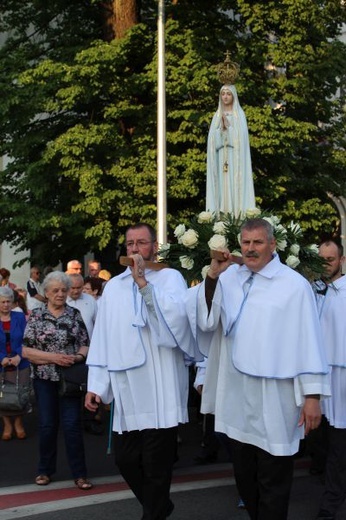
column 138, row 243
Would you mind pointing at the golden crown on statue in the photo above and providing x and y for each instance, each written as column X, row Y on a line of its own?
column 228, row 71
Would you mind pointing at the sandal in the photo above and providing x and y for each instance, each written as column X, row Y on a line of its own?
column 83, row 483
column 42, row 480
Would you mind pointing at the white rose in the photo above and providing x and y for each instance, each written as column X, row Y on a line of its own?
column 219, row 228
column 179, row 231
column 186, row 262
column 292, row 261
column 281, row 245
column 275, row 220
column 205, row 217
column 252, row 212
column 217, row 242
column 313, row 248
column 281, row 229
column 294, row 249
column 270, row 220
column 204, row 271
column 189, row 238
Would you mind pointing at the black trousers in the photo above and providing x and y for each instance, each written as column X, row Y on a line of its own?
column 263, row 480
column 335, row 489
column 145, row 460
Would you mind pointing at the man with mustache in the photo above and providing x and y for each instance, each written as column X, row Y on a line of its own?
column 259, row 327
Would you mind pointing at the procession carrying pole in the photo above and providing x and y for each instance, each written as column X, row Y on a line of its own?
column 161, row 131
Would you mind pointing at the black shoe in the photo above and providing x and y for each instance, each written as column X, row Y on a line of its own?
column 325, row 515
column 170, row 509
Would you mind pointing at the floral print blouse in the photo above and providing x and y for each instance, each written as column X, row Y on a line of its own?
column 65, row 334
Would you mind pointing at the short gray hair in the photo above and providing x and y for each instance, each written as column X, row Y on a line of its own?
column 258, row 223
column 75, row 276
column 56, row 276
column 6, row 292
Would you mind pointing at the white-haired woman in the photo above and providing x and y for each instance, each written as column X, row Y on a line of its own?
column 12, row 326
column 56, row 337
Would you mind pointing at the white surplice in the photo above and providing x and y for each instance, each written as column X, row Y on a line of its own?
column 139, row 351
column 332, row 308
column 264, row 354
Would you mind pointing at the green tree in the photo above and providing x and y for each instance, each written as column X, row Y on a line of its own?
column 79, row 115
column 36, row 200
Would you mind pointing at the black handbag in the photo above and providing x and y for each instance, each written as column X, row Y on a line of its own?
column 14, row 397
column 73, row 380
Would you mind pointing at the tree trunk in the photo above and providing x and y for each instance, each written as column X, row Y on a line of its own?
column 119, row 16
column 126, row 15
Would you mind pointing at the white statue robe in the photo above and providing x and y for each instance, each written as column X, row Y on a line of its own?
column 139, row 351
column 230, row 186
column 264, row 354
column 332, row 309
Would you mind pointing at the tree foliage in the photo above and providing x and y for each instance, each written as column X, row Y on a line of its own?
column 78, row 114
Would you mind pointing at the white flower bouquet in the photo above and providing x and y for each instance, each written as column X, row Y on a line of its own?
column 207, row 231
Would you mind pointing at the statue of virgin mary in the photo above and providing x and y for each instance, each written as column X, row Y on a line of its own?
column 230, row 186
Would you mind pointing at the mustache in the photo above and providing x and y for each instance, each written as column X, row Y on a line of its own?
column 251, row 255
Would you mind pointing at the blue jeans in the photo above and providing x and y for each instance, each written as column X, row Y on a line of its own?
column 52, row 409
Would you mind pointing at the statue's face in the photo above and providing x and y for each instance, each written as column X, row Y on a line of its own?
column 227, row 97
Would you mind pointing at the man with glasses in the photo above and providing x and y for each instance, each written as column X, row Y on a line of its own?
column 35, row 297
column 138, row 356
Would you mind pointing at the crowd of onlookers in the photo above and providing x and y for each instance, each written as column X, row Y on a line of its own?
column 30, row 297
column 39, row 336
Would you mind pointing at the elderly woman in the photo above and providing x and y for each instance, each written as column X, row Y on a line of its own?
column 56, row 337
column 12, row 326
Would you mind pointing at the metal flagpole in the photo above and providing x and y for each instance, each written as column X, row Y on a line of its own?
column 161, row 131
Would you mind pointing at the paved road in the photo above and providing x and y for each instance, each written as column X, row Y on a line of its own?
column 199, row 492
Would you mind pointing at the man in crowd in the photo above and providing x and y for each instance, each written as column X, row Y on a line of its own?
column 94, row 268
column 137, row 357
column 74, row 267
column 259, row 327
column 34, row 297
column 87, row 305
column 331, row 299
